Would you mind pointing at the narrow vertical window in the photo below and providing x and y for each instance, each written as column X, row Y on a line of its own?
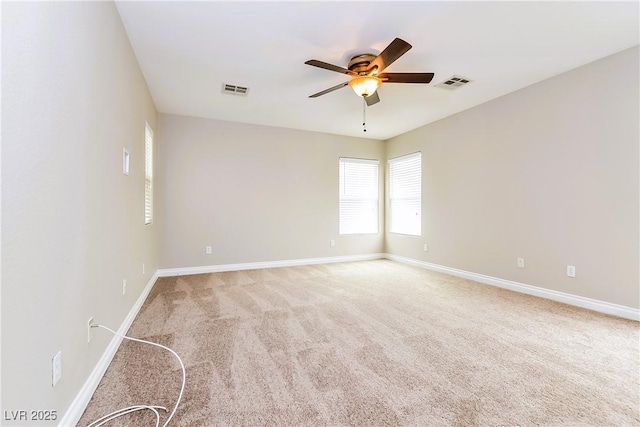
column 148, row 174
column 358, row 196
column 405, row 194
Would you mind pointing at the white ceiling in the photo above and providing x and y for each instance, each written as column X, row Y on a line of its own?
column 188, row 49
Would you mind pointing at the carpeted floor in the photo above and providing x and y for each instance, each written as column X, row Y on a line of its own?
column 370, row 344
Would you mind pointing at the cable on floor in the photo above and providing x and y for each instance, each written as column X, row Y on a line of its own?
column 153, row 408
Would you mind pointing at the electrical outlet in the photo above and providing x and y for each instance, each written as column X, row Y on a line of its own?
column 571, row 271
column 207, row 250
column 89, row 329
column 426, row 247
column 332, row 243
column 56, row 368
column 521, row 263
column 124, row 286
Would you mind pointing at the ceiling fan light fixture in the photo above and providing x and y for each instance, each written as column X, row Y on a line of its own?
column 365, row 85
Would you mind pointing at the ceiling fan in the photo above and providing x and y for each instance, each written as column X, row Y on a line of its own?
column 367, row 74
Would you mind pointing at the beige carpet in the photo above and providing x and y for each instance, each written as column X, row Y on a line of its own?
column 370, row 344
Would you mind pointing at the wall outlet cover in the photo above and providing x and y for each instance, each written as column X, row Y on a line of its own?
column 89, row 329
column 56, row 368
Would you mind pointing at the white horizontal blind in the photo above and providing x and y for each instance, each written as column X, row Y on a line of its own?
column 405, row 194
column 358, row 196
column 148, row 174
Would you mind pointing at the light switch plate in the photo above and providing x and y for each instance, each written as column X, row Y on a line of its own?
column 125, row 161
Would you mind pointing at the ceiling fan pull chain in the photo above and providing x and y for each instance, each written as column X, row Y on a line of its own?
column 364, row 115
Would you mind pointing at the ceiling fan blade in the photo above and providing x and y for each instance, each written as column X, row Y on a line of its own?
column 395, row 50
column 331, row 89
column 372, row 99
column 406, row 77
column 330, row 67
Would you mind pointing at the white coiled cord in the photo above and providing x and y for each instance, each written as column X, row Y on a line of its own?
column 130, row 409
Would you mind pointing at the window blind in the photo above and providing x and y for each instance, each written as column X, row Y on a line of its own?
column 148, row 174
column 405, row 194
column 359, row 196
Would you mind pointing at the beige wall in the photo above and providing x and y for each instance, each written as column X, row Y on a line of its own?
column 72, row 223
column 254, row 193
column 548, row 173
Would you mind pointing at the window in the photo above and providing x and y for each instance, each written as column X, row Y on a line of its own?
column 358, row 196
column 148, row 174
column 405, row 194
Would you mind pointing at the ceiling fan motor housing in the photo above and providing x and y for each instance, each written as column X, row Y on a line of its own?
column 360, row 63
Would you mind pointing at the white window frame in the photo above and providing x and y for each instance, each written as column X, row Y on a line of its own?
column 148, row 174
column 359, row 206
column 405, row 195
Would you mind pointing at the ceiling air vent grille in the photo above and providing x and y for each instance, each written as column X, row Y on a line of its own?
column 453, row 82
column 234, row 90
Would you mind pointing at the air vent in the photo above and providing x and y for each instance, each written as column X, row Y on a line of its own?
column 453, row 82
column 234, row 90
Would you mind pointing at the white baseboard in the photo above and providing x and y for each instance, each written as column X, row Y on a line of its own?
column 575, row 300
column 264, row 264
column 79, row 404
